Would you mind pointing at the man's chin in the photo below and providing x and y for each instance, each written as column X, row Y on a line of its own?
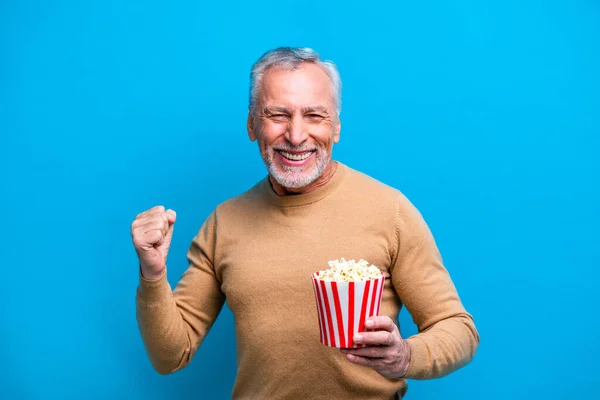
column 294, row 179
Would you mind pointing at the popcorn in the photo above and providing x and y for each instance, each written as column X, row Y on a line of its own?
column 346, row 294
column 349, row 271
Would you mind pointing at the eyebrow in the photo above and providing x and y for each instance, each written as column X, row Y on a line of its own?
column 304, row 110
column 318, row 109
column 275, row 110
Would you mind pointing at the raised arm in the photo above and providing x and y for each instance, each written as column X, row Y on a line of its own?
column 173, row 323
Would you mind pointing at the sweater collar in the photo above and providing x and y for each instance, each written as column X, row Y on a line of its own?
column 302, row 199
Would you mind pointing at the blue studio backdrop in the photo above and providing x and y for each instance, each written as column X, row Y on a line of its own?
column 485, row 114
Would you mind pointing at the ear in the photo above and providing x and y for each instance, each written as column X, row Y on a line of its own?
column 336, row 135
column 250, row 126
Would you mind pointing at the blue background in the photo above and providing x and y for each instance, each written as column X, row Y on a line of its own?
column 485, row 115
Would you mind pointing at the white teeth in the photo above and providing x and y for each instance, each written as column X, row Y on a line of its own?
column 296, row 157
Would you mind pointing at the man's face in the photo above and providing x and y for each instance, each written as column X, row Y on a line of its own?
column 296, row 124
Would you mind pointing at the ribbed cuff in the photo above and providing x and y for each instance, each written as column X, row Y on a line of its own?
column 153, row 290
column 419, row 358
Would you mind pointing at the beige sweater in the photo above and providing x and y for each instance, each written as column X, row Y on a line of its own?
column 257, row 252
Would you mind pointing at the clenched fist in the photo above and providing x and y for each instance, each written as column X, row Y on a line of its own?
column 152, row 231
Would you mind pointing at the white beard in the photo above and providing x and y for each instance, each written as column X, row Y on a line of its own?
column 296, row 177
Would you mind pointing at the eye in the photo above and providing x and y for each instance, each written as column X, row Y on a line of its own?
column 278, row 117
column 315, row 117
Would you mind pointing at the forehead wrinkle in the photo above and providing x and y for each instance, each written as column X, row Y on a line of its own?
column 299, row 86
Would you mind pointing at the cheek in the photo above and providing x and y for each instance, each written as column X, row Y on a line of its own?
column 270, row 133
column 323, row 135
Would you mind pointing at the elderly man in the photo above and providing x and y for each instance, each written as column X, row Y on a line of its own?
column 257, row 251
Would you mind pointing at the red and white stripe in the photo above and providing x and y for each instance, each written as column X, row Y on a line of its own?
column 343, row 307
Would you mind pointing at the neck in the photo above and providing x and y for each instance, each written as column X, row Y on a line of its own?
column 320, row 181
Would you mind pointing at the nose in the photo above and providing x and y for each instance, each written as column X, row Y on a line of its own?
column 297, row 132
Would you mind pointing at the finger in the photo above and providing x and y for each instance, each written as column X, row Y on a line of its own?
column 378, row 338
column 150, row 225
column 370, row 352
column 367, row 362
column 166, row 224
column 168, row 218
column 156, row 238
column 380, row 322
column 143, row 223
column 172, row 216
column 148, row 240
column 147, row 219
column 151, row 211
column 169, row 233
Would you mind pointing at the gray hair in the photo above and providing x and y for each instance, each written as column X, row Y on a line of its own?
column 291, row 58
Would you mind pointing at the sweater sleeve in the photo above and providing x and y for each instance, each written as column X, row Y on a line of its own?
column 447, row 338
column 173, row 323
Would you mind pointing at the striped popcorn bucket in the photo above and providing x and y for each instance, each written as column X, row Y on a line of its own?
column 343, row 307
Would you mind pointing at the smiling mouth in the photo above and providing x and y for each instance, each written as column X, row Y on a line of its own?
column 300, row 156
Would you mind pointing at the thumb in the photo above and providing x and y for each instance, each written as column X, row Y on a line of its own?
column 169, row 234
column 165, row 242
column 171, row 216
